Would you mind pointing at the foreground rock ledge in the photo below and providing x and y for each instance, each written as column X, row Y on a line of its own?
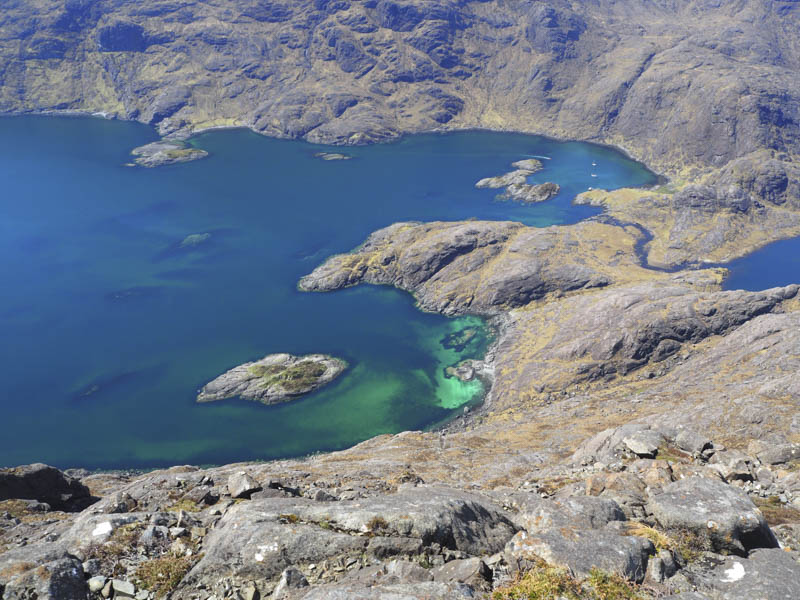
column 362, row 524
column 274, row 379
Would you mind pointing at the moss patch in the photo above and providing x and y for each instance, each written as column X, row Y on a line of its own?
column 162, row 575
column 296, row 378
column 546, row 582
column 777, row 513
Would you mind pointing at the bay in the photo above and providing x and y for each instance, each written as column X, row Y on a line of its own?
column 109, row 325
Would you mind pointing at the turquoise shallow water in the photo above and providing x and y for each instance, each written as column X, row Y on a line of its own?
column 109, row 327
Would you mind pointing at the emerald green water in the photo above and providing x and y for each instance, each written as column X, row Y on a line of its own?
column 109, row 326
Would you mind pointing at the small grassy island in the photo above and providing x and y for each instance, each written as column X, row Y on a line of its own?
column 516, row 183
column 164, row 152
column 274, row 379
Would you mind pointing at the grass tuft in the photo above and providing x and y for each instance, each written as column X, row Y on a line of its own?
column 546, row 582
column 777, row 513
column 162, row 575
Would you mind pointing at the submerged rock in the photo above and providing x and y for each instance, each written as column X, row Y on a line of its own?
column 195, row 239
column 332, row 156
column 275, row 378
column 164, row 152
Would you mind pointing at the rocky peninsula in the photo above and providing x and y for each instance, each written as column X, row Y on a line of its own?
column 274, row 379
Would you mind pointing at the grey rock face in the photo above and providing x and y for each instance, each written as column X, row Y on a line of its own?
column 472, row 571
column 714, row 511
column 43, row 483
column 241, row 485
column 537, row 514
column 644, row 443
column 291, row 579
column 766, row 573
column 580, row 550
column 61, row 579
column 397, row 591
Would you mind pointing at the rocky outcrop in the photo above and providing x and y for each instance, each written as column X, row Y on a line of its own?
column 530, row 193
column 710, row 509
column 348, row 525
column 157, row 154
column 275, row 378
column 44, row 484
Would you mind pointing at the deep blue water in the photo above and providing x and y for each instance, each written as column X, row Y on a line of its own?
column 775, row 265
column 109, row 326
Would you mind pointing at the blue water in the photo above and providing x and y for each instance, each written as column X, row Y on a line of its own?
column 109, row 326
column 775, row 265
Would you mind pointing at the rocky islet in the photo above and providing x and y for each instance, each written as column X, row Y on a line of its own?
column 273, row 379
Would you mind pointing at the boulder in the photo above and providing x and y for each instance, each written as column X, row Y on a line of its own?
column 587, row 512
column 123, row 589
column 644, row 443
column 449, row 517
column 579, row 550
column 472, row 571
column 733, row 465
column 715, row 511
column 60, row 579
column 45, row 484
column 430, row 590
column 291, row 579
column 241, row 485
column 780, row 454
column 771, row 574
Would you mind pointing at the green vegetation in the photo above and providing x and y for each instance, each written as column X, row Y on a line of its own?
column 296, row 378
column 162, row 575
column 179, row 153
column 546, row 582
column 672, row 454
column 120, row 546
column 686, row 544
column 377, row 524
column 609, row 586
column 289, row 518
column 185, row 504
column 777, row 513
